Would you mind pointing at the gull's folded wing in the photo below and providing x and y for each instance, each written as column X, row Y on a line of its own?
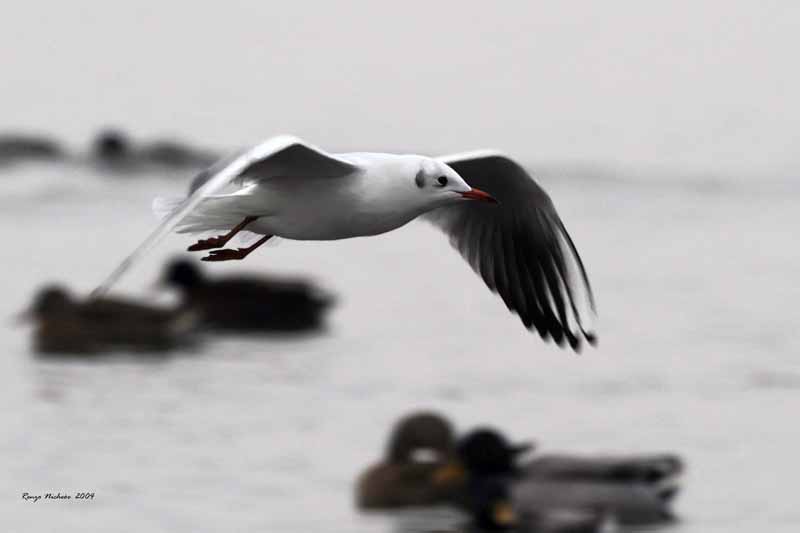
column 520, row 248
column 283, row 155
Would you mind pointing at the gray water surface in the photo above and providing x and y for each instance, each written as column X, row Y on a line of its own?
column 696, row 288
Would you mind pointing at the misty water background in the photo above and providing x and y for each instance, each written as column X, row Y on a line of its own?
column 665, row 135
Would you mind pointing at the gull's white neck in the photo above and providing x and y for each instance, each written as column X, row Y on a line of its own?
column 386, row 190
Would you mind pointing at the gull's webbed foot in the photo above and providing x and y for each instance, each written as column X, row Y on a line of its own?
column 209, row 244
column 221, row 240
column 226, row 254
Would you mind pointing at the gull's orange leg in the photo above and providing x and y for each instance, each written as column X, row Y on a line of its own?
column 227, row 254
column 220, row 240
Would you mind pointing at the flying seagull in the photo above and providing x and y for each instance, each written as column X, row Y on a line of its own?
column 500, row 220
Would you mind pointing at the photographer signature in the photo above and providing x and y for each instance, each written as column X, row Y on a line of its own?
column 57, row 496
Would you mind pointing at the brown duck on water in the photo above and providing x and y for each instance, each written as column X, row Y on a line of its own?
column 249, row 303
column 17, row 148
column 113, row 149
column 402, row 478
column 66, row 325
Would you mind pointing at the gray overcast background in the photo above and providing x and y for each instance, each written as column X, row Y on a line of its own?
column 695, row 272
column 693, row 88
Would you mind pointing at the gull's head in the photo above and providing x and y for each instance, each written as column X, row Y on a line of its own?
column 442, row 185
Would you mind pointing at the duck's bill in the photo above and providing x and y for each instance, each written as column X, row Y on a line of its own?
column 503, row 514
column 522, row 448
column 451, row 472
column 477, row 194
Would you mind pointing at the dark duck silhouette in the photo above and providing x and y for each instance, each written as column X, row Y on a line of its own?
column 405, row 479
column 17, row 148
column 65, row 325
column 114, row 148
column 249, row 303
column 635, row 490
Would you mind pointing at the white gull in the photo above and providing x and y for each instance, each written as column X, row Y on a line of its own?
column 291, row 189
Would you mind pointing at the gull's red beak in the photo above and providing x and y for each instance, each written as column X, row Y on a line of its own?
column 477, row 194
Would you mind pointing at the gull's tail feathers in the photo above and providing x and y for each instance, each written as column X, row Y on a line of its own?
column 217, row 178
column 204, row 221
column 215, row 213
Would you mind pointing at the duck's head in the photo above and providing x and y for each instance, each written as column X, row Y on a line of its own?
column 421, row 437
column 111, row 144
column 486, row 452
column 182, row 274
column 49, row 301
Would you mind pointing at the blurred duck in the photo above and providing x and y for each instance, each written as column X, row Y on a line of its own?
column 15, row 148
column 113, row 148
column 245, row 303
column 634, row 490
column 416, row 468
column 66, row 325
column 661, row 471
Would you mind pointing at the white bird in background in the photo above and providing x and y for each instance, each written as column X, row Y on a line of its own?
column 291, row 189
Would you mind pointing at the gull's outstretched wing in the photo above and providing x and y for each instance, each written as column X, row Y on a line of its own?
column 520, row 248
column 283, row 155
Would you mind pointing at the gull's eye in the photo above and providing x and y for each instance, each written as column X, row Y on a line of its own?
column 442, row 181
